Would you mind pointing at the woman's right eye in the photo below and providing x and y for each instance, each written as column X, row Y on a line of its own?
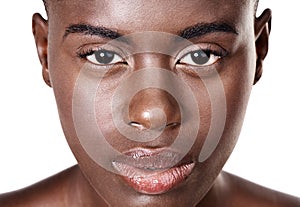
column 104, row 57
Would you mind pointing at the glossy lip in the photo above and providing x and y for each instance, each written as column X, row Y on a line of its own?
column 152, row 171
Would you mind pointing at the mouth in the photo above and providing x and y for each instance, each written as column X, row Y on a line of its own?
column 152, row 171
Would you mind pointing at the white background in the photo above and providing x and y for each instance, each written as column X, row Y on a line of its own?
column 32, row 145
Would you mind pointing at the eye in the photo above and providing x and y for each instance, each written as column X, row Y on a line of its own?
column 103, row 57
column 200, row 58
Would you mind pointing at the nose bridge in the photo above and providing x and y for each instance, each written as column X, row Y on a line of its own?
column 151, row 60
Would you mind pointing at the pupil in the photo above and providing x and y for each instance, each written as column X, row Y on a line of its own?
column 104, row 56
column 200, row 57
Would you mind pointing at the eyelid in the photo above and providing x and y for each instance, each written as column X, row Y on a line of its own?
column 89, row 49
column 201, row 70
column 212, row 59
column 218, row 51
column 115, row 60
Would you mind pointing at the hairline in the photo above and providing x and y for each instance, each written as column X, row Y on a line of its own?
column 47, row 6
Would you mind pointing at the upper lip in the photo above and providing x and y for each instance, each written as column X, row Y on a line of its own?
column 150, row 159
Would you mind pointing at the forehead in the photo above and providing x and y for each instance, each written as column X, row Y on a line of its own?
column 149, row 15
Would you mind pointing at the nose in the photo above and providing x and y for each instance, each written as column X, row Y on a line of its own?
column 154, row 109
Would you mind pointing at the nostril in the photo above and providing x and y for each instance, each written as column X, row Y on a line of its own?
column 173, row 124
column 137, row 125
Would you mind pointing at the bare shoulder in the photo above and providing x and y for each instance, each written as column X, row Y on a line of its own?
column 47, row 193
column 246, row 192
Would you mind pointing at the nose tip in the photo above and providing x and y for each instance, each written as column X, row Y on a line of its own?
column 153, row 119
column 153, row 109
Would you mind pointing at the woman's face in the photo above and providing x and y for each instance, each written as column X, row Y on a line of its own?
column 151, row 94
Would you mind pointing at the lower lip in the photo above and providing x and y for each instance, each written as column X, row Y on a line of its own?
column 154, row 182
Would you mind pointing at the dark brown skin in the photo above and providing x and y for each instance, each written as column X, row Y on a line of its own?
column 88, row 184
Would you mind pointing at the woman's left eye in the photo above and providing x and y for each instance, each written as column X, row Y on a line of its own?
column 104, row 57
column 199, row 58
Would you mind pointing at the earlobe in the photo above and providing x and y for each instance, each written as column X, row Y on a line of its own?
column 262, row 32
column 40, row 33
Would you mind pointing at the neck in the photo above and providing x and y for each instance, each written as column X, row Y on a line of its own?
column 218, row 193
column 81, row 193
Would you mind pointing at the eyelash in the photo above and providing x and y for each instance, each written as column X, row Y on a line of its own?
column 84, row 54
column 208, row 50
column 221, row 53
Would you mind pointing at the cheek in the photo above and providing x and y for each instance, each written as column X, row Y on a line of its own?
column 237, row 82
column 63, row 74
column 226, row 114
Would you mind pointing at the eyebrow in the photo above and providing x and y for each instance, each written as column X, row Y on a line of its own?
column 201, row 29
column 87, row 29
column 197, row 30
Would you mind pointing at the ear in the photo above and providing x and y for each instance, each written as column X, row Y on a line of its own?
column 40, row 33
column 262, row 31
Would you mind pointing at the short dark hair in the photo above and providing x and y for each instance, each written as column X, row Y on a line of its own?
column 46, row 5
